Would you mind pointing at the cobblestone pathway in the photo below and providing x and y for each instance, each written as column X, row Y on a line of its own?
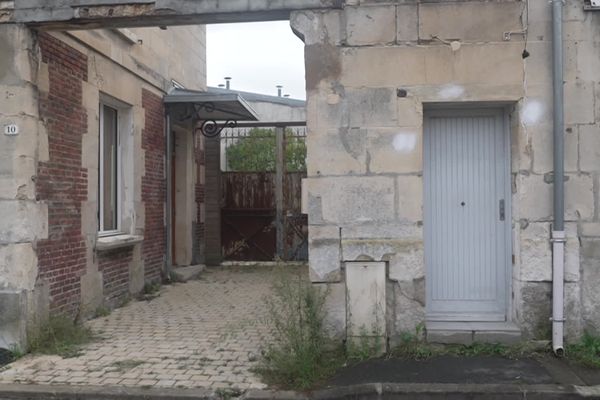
column 206, row 333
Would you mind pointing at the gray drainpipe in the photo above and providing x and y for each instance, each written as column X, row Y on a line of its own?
column 558, row 228
column 169, row 188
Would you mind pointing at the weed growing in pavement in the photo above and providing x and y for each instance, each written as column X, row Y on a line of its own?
column 227, row 394
column 300, row 354
column 126, row 300
column 60, row 335
column 151, row 287
column 16, row 353
column 414, row 347
column 586, row 352
column 102, row 311
column 369, row 344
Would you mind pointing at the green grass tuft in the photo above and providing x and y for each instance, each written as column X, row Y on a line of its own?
column 60, row 335
column 411, row 347
column 586, row 352
column 102, row 311
column 151, row 288
column 16, row 353
column 365, row 346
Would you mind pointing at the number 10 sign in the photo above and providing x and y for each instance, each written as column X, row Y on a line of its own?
column 11, row 129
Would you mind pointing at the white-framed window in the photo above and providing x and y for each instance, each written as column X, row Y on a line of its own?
column 109, row 185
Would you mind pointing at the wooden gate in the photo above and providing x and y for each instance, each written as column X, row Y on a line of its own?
column 248, row 226
column 249, row 209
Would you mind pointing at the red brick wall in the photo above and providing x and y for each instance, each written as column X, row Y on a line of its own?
column 154, row 185
column 114, row 266
column 61, row 181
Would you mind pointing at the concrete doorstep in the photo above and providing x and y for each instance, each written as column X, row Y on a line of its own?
column 185, row 274
column 370, row 391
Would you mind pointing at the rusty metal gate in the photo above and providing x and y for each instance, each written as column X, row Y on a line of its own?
column 251, row 214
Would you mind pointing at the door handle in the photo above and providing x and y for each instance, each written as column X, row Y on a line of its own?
column 502, row 210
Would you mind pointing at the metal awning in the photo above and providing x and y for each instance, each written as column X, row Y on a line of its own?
column 210, row 106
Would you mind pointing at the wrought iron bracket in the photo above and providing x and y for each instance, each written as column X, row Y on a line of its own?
column 211, row 128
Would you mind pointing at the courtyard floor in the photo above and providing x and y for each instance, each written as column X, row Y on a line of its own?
column 204, row 333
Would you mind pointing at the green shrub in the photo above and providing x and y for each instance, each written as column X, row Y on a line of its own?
column 59, row 335
column 300, row 353
column 413, row 347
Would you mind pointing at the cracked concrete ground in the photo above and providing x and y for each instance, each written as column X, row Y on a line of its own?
column 202, row 334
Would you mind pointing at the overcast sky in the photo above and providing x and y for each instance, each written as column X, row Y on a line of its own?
column 258, row 56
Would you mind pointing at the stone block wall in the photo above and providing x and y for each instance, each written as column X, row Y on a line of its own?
column 372, row 68
column 24, row 218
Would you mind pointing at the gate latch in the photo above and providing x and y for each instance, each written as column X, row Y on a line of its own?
column 502, row 211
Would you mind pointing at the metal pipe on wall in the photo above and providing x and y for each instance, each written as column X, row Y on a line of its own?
column 558, row 228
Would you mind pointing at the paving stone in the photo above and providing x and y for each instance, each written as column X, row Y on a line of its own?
column 195, row 335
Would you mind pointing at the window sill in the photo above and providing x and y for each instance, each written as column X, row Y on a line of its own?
column 105, row 243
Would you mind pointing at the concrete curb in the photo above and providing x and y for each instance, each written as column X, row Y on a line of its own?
column 426, row 391
column 374, row 391
column 34, row 392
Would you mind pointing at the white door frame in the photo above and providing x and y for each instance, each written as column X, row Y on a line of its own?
column 474, row 109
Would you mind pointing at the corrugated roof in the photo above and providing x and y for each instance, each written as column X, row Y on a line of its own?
column 249, row 96
column 216, row 106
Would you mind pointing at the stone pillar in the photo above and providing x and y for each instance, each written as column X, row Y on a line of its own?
column 23, row 143
column 363, row 193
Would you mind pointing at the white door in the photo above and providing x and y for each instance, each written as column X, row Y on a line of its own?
column 467, row 219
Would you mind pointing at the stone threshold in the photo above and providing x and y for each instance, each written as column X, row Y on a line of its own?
column 452, row 332
column 370, row 391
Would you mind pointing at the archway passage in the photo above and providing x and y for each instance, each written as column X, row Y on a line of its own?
column 94, row 14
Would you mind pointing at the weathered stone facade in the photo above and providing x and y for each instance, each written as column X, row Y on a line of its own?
column 53, row 259
column 371, row 70
column 372, row 67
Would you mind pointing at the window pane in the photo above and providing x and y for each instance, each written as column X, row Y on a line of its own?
column 109, row 171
